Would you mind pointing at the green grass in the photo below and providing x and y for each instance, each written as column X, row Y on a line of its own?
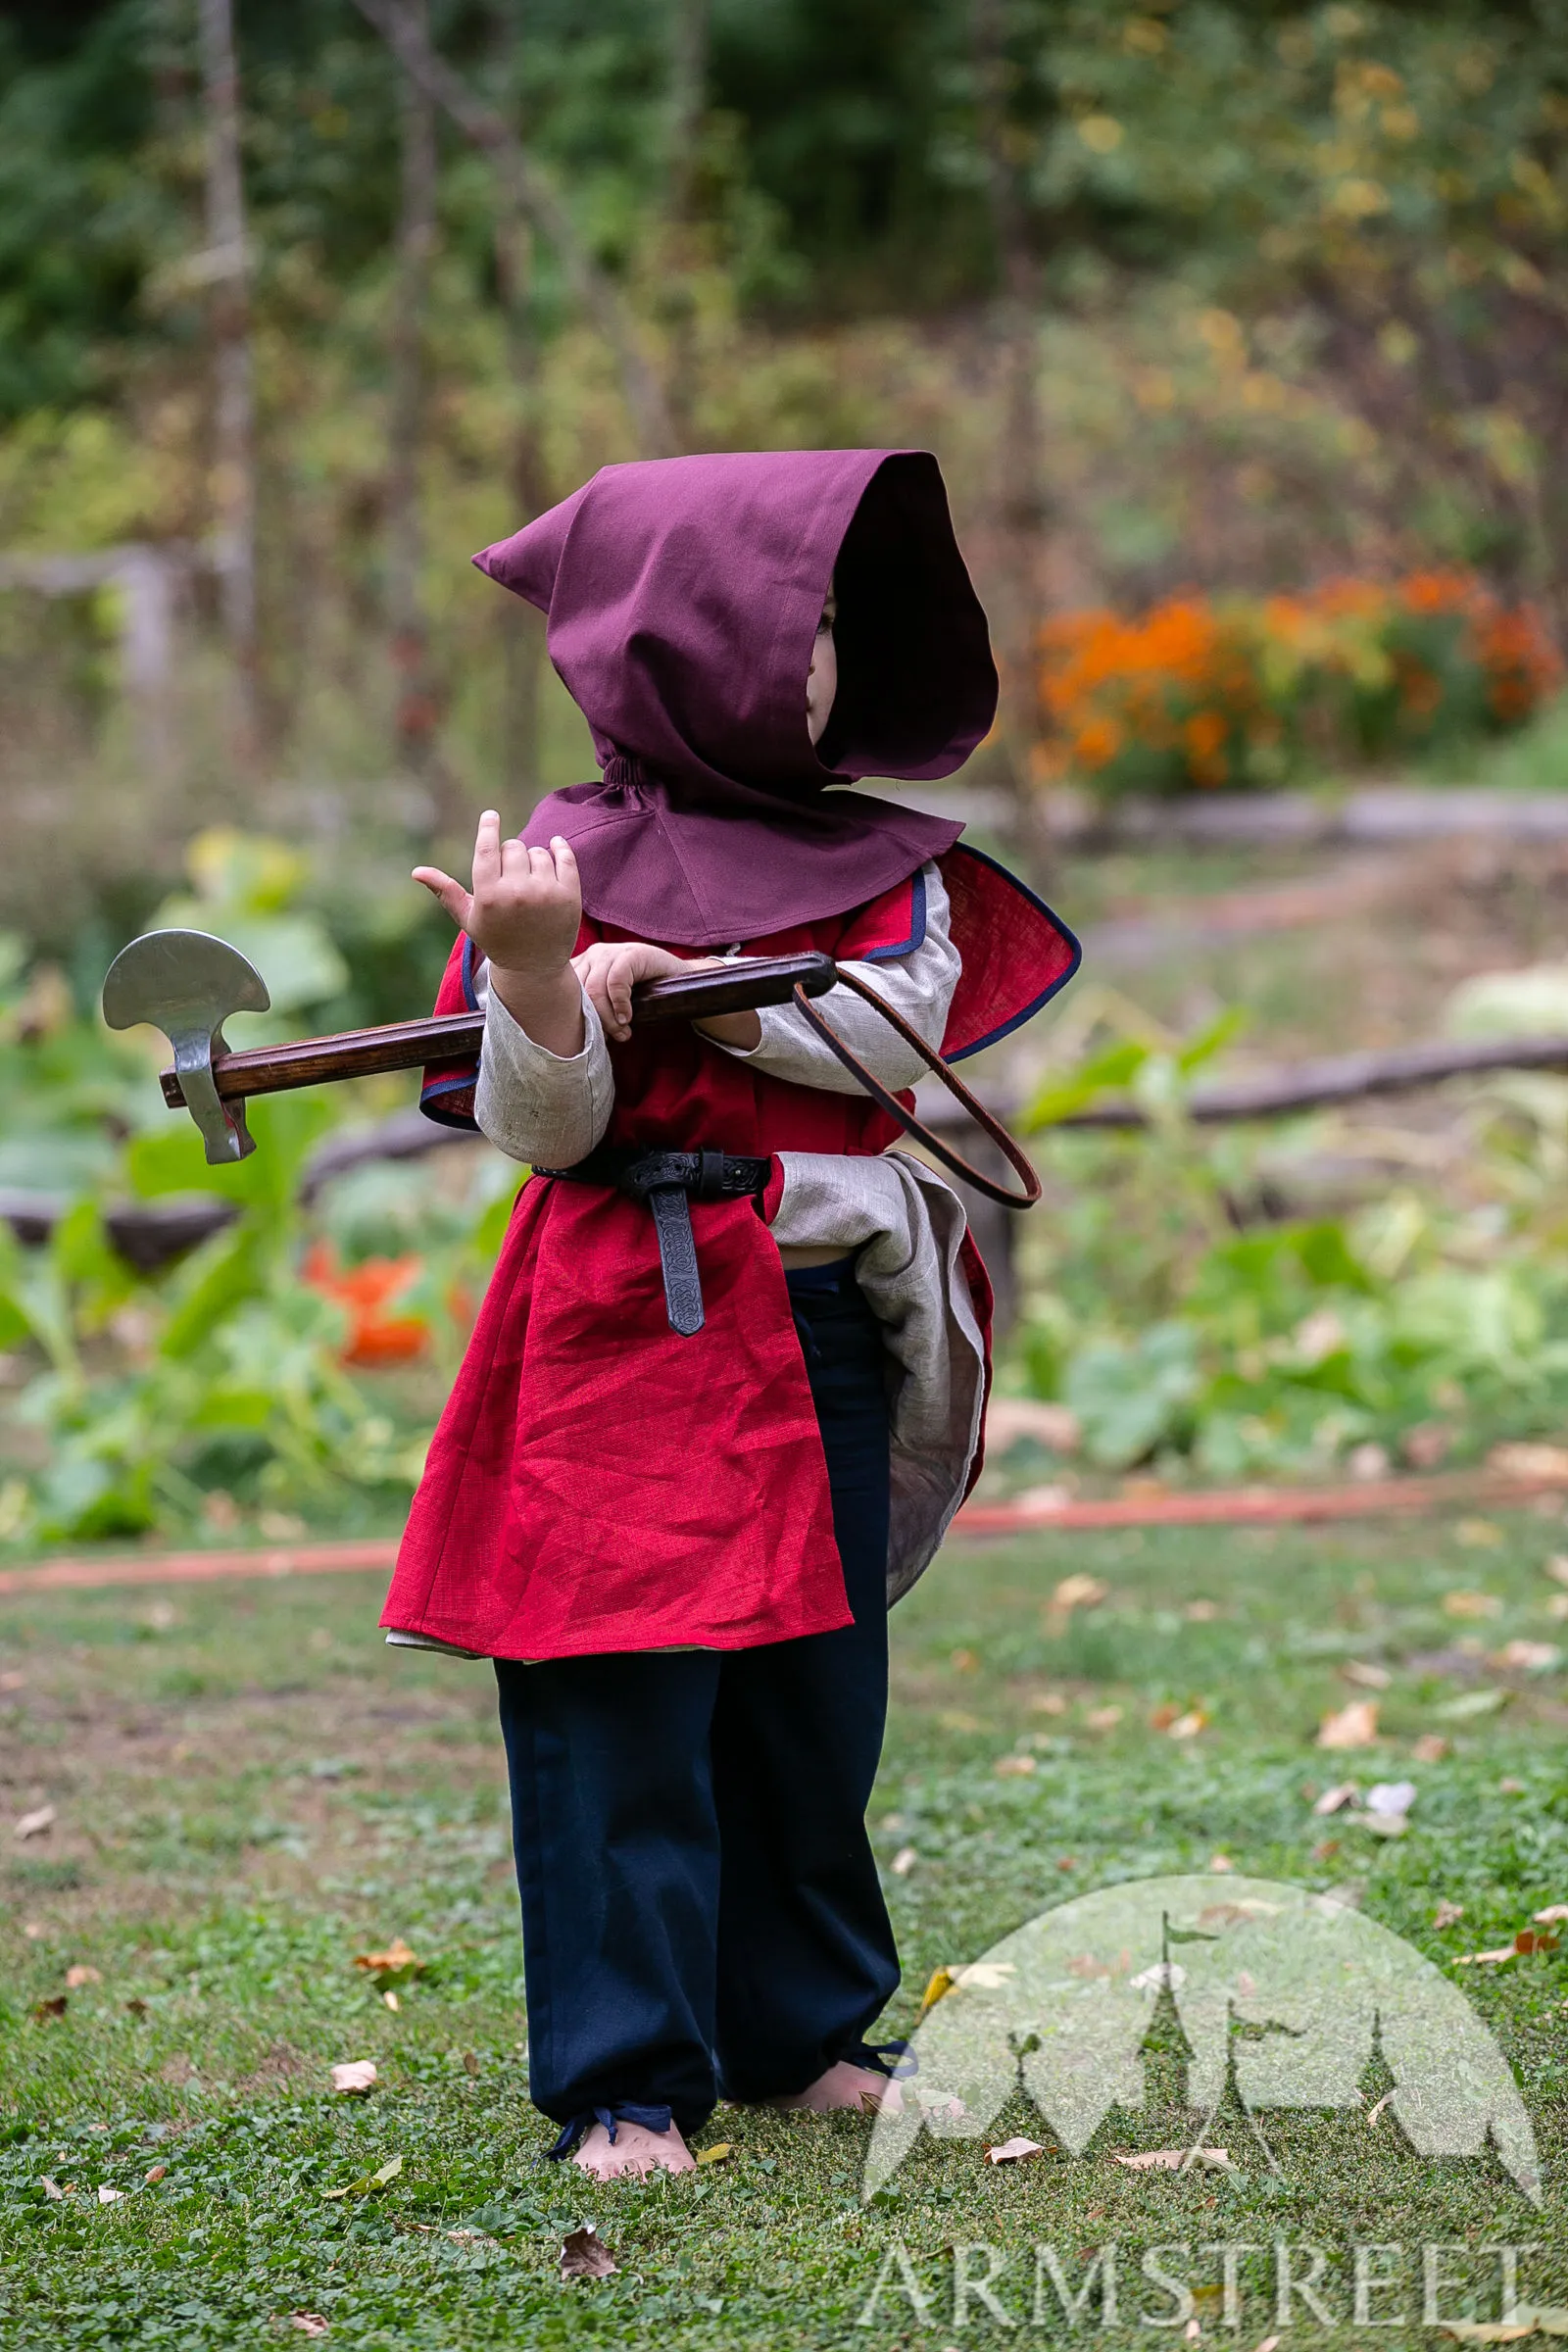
column 250, row 1790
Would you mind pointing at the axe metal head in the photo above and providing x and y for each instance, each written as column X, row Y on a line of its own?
column 186, row 983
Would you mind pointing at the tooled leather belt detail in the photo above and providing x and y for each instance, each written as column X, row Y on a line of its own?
column 669, row 1182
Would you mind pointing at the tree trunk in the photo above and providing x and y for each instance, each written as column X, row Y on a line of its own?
column 1019, row 507
column 415, row 710
column 234, row 475
column 536, row 196
column 688, row 90
column 521, row 642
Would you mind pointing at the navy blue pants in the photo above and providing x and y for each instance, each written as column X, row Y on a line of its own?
column 701, row 1910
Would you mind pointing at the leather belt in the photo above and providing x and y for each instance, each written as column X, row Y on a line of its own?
column 669, row 1182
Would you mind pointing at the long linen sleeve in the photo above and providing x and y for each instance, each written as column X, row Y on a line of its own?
column 547, row 1110
column 918, row 985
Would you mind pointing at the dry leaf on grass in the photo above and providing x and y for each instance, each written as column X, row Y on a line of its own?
column 1080, row 1593
column 1432, row 1748
column 1526, row 1658
column 354, row 2075
column 1049, row 1702
column 1013, row 2151
column 44, row 2012
column 1355, row 1726
column 1344, row 1792
column 1471, row 1604
column 80, row 1973
column 1552, row 1913
column 368, row 2182
column 1525, row 1942
column 584, row 2255
column 1388, row 1806
column 1448, row 1915
column 109, row 2197
column 1377, row 2111
column 904, row 1861
column 37, row 1824
column 1365, row 1675
column 1489, row 2331
column 939, row 1985
column 986, row 1976
column 1102, row 1719
column 1220, row 1863
column 1188, row 1725
column 1470, row 1703
column 719, row 2153
column 310, row 2323
column 1202, row 1612
column 1171, row 2160
column 1011, row 1767
column 154, row 2173
column 1557, row 1567
column 396, row 1961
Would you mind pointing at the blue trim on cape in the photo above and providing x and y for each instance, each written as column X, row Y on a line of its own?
column 433, row 1089
column 916, row 938
column 1019, row 1019
column 430, row 1103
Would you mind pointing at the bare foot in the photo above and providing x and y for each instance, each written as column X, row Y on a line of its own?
column 634, row 2149
column 847, row 2085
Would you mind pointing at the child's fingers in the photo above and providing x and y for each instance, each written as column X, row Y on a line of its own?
column 451, row 895
column 487, row 848
column 565, row 859
column 619, row 979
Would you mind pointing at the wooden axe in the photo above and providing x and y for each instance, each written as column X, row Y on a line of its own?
column 186, row 983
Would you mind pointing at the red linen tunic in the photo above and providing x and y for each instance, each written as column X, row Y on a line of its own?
column 598, row 1482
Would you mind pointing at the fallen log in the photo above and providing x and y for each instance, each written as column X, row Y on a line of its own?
column 1337, row 1078
column 150, row 1234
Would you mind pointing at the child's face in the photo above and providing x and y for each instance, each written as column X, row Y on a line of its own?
column 822, row 678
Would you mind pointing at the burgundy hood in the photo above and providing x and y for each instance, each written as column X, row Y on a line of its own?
column 683, row 596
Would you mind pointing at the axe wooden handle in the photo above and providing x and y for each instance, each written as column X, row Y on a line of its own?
column 416, row 1044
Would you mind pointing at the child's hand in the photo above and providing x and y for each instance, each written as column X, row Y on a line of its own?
column 612, row 967
column 524, row 910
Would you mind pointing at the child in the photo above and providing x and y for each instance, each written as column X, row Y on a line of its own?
column 686, row 1468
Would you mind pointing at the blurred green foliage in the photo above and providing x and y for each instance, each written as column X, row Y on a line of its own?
column 212, row 1394
column 1195, row 1314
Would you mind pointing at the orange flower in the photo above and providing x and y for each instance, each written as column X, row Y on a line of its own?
column 1191, row 691
column 368, row 1291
